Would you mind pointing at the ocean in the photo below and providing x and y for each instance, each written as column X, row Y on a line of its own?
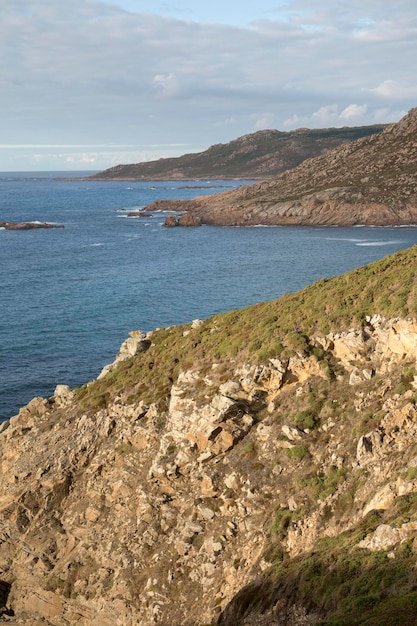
column 70, row 296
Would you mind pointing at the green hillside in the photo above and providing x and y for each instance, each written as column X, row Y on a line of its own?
column 263, row 154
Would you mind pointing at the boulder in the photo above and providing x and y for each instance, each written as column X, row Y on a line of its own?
column 384, row 538
column 135, row 344
column 186, row 219
column 170, row 221
column 189, row 219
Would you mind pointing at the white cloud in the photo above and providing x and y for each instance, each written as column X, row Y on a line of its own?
column 354, row 111
column 326, row 116
column 88, row 74
column 393, row 90
column 167, row 85
column 263, row 121
column 330, row 115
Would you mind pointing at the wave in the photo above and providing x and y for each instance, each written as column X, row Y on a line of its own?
column 391, row 242
column 265, row 226
column 131, row 208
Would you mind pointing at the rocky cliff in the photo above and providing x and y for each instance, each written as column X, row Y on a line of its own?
column 368, row 181
column 258, row 155
column 258, row 467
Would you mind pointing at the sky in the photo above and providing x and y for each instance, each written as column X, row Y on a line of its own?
column 89, row 84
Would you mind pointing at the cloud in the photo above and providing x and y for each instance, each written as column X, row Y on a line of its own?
column 167, row 85
column 354, row 111
column 92, row 73
column 330, row 115
column 263, row 121
column 393, row 90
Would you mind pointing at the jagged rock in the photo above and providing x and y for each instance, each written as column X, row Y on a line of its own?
column 293, row 434
column 63, row 395
column 189, row 219
column 135, row 344
column 381, row 500
column 369, row 446
column 384, row 538
column 348, row 347
column 154, row 512
column 186, row 220
column 170, row 221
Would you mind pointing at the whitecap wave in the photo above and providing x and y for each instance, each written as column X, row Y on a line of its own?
column 392, row 242
column 130, row 208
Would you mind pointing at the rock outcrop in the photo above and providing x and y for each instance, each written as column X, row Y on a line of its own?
column 186, row 219
column 203, row 481
column 28, row 225
column 368, row 181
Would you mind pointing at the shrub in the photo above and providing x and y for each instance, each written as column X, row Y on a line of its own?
column 297, row 452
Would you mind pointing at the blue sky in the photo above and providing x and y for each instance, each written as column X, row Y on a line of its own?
column 93, row 83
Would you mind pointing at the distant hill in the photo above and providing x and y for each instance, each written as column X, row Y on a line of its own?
column 263, row 154
column 372, row 180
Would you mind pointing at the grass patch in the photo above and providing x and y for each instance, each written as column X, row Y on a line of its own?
column 297, row 453
column 264, row 331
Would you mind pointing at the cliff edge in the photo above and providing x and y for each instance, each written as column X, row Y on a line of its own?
column 258, row 467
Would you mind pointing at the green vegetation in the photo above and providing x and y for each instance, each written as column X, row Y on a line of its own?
column 338, row 581
column 316, row 485
column 297, row 452
column 320, row 485
column 274, row 329
column 259, row 155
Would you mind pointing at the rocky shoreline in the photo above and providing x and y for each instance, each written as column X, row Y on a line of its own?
column 371, row 181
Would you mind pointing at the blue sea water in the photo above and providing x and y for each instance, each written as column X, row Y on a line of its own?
column 70, row 296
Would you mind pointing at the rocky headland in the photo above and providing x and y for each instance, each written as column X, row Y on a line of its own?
column 255, row 468
column 371, row 181
column 259, row 155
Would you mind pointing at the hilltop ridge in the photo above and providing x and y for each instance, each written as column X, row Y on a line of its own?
column 371, row 181
column 258, row 155
column 255, row 468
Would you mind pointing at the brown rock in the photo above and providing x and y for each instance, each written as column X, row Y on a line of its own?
column 370, row 181
column 170, row 221
column 189, row 219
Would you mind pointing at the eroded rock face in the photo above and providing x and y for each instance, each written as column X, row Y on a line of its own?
column 137, row 342
column 136, row 514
